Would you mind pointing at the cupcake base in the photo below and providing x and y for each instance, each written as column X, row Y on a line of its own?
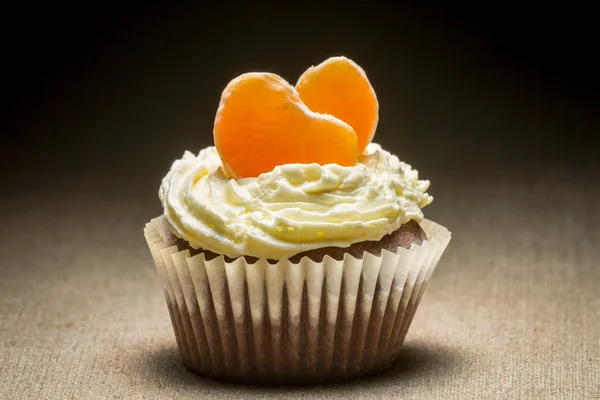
column 292, row 322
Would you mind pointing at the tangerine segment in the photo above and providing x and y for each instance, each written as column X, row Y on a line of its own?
column 338, row 86
column 262, row 123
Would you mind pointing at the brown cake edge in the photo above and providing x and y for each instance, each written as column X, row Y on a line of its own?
column 408, row 234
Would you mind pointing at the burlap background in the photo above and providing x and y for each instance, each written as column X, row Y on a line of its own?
column 512, row 312
column 498, row 107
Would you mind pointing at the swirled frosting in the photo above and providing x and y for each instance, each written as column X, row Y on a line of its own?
column 294, row 208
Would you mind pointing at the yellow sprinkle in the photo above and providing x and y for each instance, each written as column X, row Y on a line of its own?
column 399, row 192
column 212, row 225
column 364, row 234
column 320, row 233
column 279, row 229
column 290, row 229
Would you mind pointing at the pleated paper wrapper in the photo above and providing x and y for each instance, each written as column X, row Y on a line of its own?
column 285, row 322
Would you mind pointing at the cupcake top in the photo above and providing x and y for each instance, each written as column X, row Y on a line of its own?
column 294, row 208
column 292, row 169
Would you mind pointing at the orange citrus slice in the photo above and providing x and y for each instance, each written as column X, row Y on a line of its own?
column 262, row 123
column 338, row 86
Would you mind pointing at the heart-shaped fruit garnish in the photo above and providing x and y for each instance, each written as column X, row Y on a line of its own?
column 338, row 86
column 263, row 121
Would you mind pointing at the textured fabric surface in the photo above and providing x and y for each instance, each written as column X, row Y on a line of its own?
column 512, row 311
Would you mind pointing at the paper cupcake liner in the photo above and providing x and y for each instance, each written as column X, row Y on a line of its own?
column 285, row 322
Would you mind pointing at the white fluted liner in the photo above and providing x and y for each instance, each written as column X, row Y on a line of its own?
column 290, row 322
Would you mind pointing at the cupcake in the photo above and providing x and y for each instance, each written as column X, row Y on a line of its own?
column 295, row 249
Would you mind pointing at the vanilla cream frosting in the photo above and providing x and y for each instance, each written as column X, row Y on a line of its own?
column 294, row 208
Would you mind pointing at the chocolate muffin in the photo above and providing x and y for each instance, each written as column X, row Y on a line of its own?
column 270, row 245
